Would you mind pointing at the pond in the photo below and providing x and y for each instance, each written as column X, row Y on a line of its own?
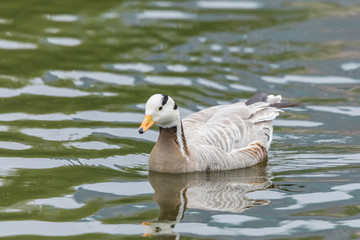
column 74, row 79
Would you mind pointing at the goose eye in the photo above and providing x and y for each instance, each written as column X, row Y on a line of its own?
column 160, row 108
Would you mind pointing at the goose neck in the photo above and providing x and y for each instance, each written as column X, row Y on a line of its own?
column 177, row 134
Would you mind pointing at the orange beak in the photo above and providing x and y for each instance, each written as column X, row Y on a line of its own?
column 145, row 223
column 146, row 124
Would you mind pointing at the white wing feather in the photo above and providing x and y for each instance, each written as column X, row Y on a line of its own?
column 231, row 135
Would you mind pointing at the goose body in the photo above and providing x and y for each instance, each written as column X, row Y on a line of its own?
column 217, row 138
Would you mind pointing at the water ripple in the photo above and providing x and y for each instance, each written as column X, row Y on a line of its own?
column 284, row 228
column 311, row 79
column 229, row 4
column 12, row 228
column 315, row 198
column 243, row 87
column 162, row 80
column 64, row 41
column 106, row 77
column 233, row 219
column 177, row 68
column 313, row 160
column 114, row 162
column 81, row 115
column 65, row 202
column 210, row 84
column 296, row 123
column 62, row 18
column 344, row 110
column 350, row 66
column 44, row 90
column 5, row 21
column 95, row 145
column 71, row 134
column 120, row 188
column 138, row 67
column 13, row 145
column 14, row 45
column 164, row 14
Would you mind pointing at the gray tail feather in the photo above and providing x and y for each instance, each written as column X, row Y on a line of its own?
column 263, row 97
column 285, row 105
column 259, row 97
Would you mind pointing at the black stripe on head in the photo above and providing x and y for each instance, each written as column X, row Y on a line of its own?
column 164, row 99
column 175, row 106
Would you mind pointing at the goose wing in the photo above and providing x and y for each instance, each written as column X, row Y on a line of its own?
column 231, row 127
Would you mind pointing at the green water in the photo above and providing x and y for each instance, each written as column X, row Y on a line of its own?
column 74, row 77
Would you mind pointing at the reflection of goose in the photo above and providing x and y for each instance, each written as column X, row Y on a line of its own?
column 215, row 191
column 217, row 138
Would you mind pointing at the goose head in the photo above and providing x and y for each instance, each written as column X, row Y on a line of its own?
column 162, row 110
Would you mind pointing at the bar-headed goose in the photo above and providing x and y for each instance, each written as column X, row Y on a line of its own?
column 217, row 138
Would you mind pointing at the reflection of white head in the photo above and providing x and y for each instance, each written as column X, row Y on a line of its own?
column 159, row 228
column 163, row 110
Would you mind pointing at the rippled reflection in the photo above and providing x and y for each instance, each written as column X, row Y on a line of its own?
column 216, row 191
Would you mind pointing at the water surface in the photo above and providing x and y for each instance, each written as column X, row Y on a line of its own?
column 74, row 77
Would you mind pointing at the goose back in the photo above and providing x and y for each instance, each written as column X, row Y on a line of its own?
column 230, row 136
